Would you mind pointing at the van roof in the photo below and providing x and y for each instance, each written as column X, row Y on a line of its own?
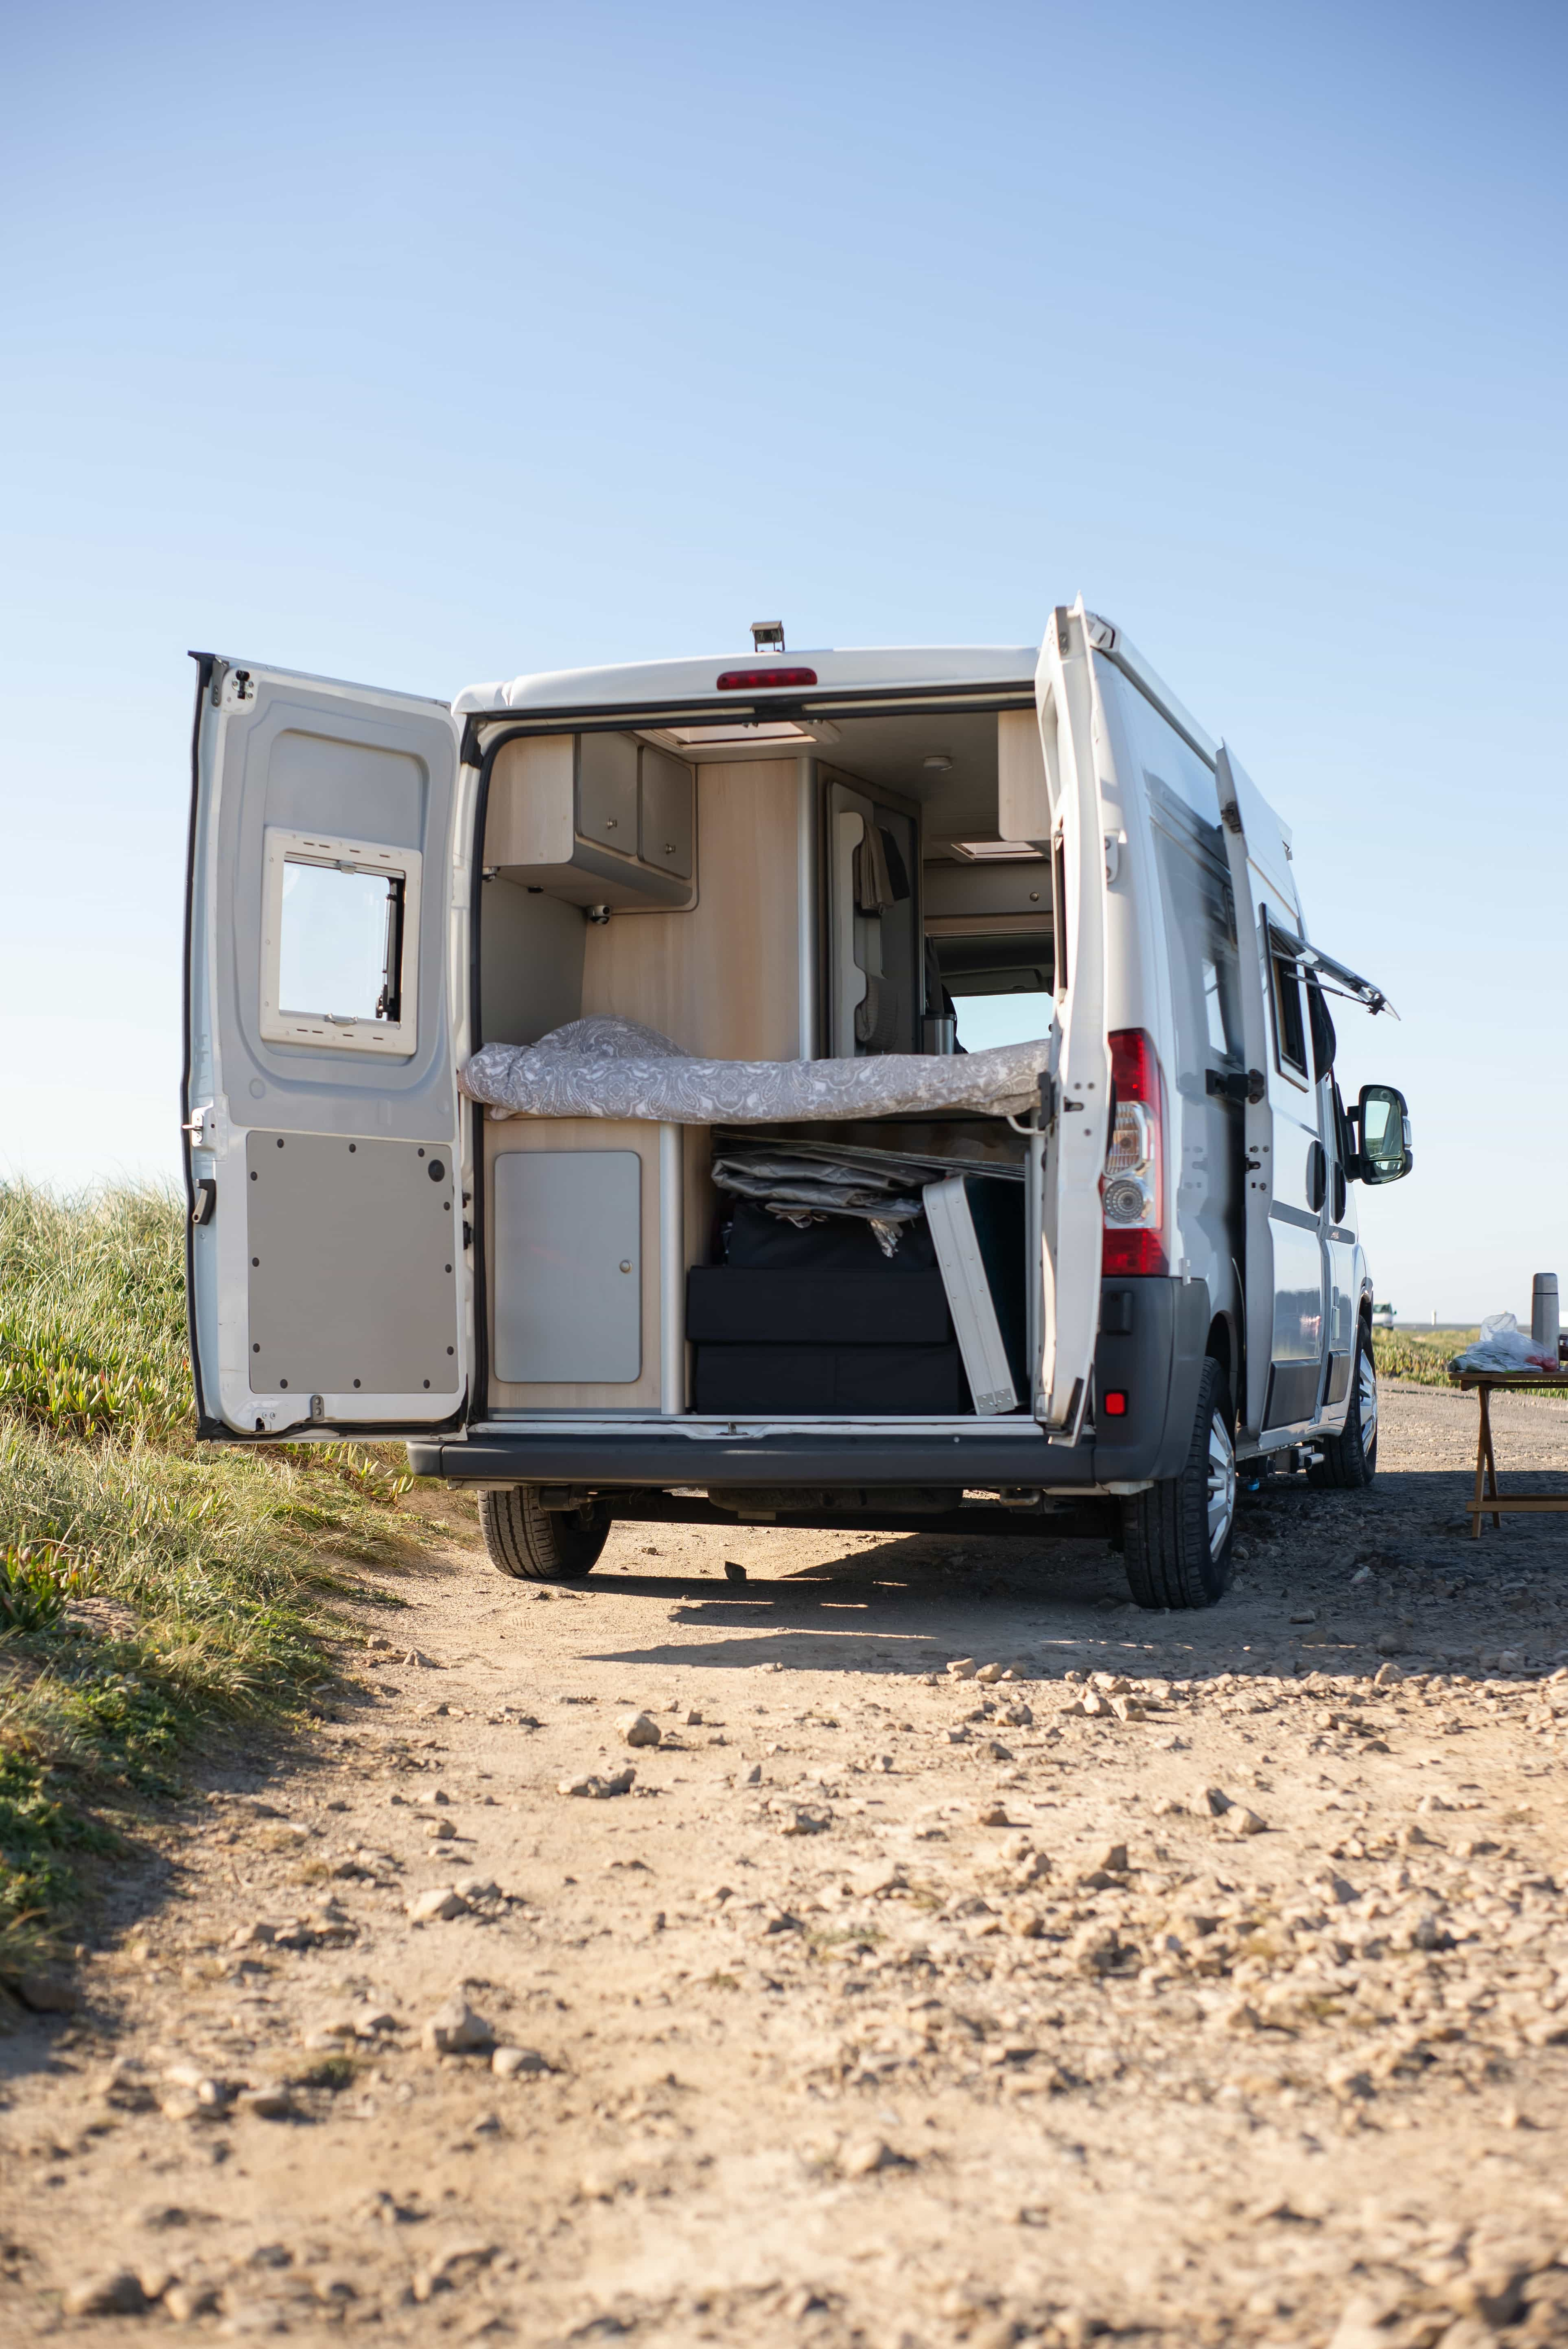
column 868, row 669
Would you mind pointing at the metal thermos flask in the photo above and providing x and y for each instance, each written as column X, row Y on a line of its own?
column 1543, row 1325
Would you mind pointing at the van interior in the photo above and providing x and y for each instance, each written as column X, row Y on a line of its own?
column 768, row 891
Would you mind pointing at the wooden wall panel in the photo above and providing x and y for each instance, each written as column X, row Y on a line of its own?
column 721, row 981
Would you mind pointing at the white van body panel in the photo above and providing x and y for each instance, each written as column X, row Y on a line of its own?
column 1074, row 742
column 326, row 1271
column 878, row 668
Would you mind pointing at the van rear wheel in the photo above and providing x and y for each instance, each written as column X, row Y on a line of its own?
column 1177, row 1535
column 539, row 1545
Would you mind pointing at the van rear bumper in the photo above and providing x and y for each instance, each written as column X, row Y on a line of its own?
column 1151, row 1351
column 654, row 1456
column 1154, row 1333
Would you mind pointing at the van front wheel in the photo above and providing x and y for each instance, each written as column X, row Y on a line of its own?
column 1350, row 1460
column 539, row 1545
column 1176, row 1534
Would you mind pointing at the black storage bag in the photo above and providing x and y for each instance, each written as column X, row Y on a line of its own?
column 729, row 1307
column 756, row 1241
column 869, row 1382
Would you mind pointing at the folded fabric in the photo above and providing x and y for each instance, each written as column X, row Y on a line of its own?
column 607, row 1067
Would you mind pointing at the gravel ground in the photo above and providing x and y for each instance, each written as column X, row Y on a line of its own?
column 971, row 1958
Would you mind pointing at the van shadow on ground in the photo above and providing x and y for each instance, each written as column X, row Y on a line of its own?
column 1390, row 1574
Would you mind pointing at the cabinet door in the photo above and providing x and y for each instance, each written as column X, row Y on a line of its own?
column 607, row 791
column 568, row 1259
column 665, row 815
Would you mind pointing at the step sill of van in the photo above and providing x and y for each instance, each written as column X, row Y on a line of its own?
column 692, row 1428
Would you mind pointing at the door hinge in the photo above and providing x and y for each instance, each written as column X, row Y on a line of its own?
column 468, row 1233
column 1234, row 1087
column 195, row 1126
column 1231, row 816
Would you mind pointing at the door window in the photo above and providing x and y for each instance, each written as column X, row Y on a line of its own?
column 340, row 953
column 340, row 944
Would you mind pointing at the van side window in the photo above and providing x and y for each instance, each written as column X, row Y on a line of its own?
column 1324, row 1042
column 1290, row 1028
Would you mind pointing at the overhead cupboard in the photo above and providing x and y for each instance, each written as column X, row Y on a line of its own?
column 596, row 819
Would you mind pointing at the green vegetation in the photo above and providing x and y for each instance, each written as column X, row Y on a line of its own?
column 147, row 1591
column 1422, row 1355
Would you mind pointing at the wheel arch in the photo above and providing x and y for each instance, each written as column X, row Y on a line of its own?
column 1220, row 1346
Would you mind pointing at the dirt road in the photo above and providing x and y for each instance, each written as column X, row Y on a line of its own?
column 1183, row 1982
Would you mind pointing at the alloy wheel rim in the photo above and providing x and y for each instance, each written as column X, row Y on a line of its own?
column 1221, row 1483
column 1367, row 1398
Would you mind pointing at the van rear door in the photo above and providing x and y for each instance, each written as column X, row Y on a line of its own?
column 1286, row 1171
column 1073, row 736
column 325, row 919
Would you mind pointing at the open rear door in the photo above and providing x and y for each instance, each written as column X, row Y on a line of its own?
column 323, row 927
column 1072, row 1222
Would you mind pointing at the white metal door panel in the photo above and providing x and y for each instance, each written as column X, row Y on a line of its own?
column 1236, row 795
column 1266, row 845
column 325, row 918
column 1073, row 736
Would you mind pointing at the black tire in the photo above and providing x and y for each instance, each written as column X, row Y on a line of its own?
column 1350, row 1460
column 540, row 1544
column 1177, row 1535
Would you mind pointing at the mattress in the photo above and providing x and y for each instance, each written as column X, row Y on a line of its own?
column 605, row 1067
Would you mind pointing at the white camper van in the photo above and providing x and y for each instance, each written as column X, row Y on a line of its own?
column 887, row 1090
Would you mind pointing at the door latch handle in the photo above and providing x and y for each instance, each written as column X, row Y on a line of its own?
column 204, row 1201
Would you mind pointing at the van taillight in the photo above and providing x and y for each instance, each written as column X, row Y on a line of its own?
column 1132, row 1191
column 752, row 680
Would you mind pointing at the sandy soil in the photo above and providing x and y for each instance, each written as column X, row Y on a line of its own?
column 893, row 2004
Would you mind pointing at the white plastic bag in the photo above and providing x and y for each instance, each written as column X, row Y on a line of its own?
column 1503, row 1346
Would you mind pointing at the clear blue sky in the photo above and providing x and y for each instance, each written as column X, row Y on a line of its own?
column 426, row 344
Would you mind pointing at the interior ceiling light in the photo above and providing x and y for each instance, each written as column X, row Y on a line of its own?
column 939, row 763
column 762, row 730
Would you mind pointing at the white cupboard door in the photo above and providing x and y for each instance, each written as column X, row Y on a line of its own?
column 325, row 919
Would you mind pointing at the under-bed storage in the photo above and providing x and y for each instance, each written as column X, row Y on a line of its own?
column 819, row 1320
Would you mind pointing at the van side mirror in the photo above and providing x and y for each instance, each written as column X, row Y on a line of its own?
column 1383, row 1128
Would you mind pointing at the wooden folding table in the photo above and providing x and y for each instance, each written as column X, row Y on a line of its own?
column 1489, row 1502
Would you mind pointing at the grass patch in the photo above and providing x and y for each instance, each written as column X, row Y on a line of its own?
column 148, row 1589
column 1425, row 1357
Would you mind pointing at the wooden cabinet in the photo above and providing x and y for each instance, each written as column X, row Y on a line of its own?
column 596, row 819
